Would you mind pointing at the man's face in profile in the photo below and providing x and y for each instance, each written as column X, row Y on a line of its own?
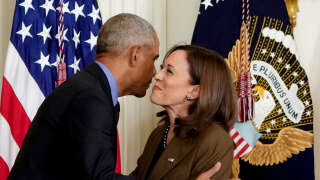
column 146, row 68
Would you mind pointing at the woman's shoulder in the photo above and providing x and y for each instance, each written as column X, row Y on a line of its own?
column 158, row 130
column 215, row 135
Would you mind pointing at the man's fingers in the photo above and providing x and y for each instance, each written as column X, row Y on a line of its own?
column 207, row 175
column 213, row 170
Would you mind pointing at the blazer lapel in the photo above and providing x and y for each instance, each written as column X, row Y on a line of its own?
column 177, row 149
column 151, row 150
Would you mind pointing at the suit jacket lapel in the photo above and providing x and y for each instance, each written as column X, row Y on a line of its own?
column 177, row 149
column 98, row 73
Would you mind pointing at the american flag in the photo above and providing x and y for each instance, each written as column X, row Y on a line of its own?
column 44, row 33
column 242, row 147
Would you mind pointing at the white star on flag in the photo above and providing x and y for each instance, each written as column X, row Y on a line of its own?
column 76, row 38
column 65, row 8
column 45, row 33
column 43, row 61
column 206, row 4
column 295, row 74
column 57, row 62
column 24, row 32
column 48, row 5
column 284, row 119
column 27, row 4
column 78, row 11
column 268, row 130
column 279, row 60
column 92, row 41
column 308, row 113
column 301, row 83
column 307, row 103
column 304, row 92
column 64, row 36
column 273, row 122
column 94, row 14
column 264, row 51
column 279, row 111
column 272, row 55
column 287, row 66
column 75, row 65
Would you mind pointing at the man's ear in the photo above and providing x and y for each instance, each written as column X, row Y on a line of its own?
column 134, row 55
column 194, row 92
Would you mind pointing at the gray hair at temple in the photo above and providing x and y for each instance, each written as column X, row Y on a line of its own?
column 123, row 31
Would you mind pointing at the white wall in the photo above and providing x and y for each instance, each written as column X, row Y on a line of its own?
column 181, row 21
column 307, row 36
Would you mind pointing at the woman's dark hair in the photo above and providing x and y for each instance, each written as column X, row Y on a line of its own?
column 216, row 102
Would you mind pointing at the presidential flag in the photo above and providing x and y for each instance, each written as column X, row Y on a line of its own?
column 277, row 142
column 48, row 37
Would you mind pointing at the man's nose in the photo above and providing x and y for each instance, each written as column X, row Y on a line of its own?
column 154, row 71
column 158, row 75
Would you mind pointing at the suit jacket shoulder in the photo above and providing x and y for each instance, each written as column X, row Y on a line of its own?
column 75, row 125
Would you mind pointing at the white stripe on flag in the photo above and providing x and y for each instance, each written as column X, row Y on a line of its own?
column 239, row 148
column 236, row 139
column 23, row 84
column 246, row 151
column 8, row 148
column 232, row 131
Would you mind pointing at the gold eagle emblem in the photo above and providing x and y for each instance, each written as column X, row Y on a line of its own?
column 288, row 138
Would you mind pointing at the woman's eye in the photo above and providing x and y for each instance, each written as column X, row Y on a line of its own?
column 161, row 66
column 169, row 71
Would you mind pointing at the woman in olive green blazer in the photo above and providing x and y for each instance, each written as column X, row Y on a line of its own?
column 195, row 88
column 187, row 158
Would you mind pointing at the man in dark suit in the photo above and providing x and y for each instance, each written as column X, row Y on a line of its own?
column 73, row 135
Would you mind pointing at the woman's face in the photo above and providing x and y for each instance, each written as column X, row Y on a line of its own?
column 172, row 81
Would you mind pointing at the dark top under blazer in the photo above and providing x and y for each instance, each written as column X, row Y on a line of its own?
column 73, row 135
column 185, row 159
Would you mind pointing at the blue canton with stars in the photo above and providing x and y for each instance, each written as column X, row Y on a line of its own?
column 35, row 37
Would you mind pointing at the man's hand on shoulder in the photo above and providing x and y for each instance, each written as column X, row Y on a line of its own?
column 208, row 174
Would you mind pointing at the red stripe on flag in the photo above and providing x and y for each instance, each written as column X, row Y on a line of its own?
column 118, row 162
column 242, row 151
column 12, row 110
column 239, row 142
column 235, row 134
column 4, row 170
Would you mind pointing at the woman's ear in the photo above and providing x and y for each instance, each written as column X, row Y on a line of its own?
column 195, row 92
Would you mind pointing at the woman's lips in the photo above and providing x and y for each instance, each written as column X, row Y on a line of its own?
column 155, row 87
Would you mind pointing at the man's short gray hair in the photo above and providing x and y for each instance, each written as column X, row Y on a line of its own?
column 123, row 31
